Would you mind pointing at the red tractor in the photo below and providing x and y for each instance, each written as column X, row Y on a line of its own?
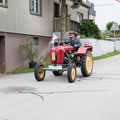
column 64, row 58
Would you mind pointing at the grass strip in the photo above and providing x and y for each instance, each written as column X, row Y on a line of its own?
column 107, row 55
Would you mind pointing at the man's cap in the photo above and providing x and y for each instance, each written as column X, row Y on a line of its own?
column 73, row 32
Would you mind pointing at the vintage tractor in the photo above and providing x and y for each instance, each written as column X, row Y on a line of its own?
column 64, row 58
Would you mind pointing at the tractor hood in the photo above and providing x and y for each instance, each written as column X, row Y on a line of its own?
column 59, row 52
column 63, row 48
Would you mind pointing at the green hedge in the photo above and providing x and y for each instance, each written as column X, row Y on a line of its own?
column 90, row 29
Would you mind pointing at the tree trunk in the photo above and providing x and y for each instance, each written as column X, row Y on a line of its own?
column 63, row 20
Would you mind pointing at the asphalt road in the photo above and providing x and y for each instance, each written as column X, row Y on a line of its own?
column 93, row 98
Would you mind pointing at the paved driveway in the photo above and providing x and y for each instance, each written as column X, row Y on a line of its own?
column 93, row 98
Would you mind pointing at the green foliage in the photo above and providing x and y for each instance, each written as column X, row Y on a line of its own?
column 119, row 26
column 116, row 36
column 104, row 37
column 26, row 69
column 107, row 32
column 90, row 29
column 76, row 4
column 107, row 55
column 83, row 36
column 30, row 48
column 109, row 25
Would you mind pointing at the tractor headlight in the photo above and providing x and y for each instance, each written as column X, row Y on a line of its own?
column 53, row 56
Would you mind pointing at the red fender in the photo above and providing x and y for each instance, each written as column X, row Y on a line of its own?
column 83, row 50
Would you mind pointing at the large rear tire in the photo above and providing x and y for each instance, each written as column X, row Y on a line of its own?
column 87, row 64
column 39, row 73
column 71, row 74
column 58, row 73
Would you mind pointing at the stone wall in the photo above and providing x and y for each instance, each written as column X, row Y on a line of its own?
column 101, row 47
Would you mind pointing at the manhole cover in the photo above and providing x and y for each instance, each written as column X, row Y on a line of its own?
column 17, row 89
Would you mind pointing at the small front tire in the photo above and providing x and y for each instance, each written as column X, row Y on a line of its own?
column 39, row 73
column 71, row 74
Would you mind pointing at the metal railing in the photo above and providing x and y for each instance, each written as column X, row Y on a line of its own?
column 92, row 12
column 70, row 25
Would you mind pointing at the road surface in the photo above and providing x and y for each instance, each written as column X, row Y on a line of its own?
column 93, row 98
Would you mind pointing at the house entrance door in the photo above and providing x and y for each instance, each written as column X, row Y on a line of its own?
column 2, row 54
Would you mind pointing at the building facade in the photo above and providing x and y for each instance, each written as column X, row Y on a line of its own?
column 22, row 18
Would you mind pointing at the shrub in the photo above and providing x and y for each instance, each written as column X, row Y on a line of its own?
column 109, row 25
column 30, row 48
column 90, row 29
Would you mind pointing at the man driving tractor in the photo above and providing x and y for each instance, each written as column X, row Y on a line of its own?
column 67, row 58
column 73, row 40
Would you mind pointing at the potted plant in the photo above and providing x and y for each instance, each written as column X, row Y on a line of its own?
column 31, row 51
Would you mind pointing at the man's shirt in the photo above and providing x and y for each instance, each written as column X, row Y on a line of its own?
column 73, row 41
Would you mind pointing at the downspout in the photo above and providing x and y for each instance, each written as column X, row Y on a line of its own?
column 88, row 13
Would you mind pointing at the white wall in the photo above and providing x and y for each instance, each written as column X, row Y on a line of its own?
column 117, row 45
column 91, row 17
column 101, row 47
column 17, row 18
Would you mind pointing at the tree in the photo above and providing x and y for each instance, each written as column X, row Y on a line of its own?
column 109, row 25
column 90, row 29
column 63, row 20
column 119, row 27
column 76, row 4
column 107, row 32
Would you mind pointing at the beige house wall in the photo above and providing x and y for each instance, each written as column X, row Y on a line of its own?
column 14, row 56
column 17, row 18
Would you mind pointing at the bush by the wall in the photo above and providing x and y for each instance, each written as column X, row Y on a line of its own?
column 90, row 29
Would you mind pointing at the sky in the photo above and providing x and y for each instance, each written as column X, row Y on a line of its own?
column 105, row 14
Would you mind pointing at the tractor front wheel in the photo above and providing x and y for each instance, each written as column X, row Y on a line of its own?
column 58, row 73
column 87, row 64
column 39, row 72
column 71, row 74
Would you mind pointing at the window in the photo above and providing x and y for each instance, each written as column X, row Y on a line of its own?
column 79, row 17
column 56, row 10
column 66, row 10
column 35, row 7
column 3, row 2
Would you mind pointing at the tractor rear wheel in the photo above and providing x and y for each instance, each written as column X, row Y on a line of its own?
column 39, row 73
column 58, row 73
column 71, row 74
column 87, row 64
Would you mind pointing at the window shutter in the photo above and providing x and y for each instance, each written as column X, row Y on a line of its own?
column 40, row 2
